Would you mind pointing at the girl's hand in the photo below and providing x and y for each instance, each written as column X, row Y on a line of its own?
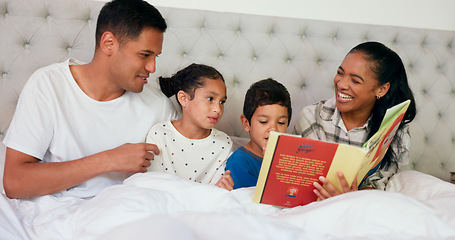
column 226, row 181
column 328, row 190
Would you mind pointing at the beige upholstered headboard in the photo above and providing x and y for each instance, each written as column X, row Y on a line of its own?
column 302, row 54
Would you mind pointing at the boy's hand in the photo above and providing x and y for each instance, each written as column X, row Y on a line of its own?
column 226, row 181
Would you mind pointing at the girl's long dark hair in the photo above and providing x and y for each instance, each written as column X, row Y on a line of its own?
column 188, row 79
column 388, row 68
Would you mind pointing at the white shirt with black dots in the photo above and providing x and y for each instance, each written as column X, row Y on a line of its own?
column 198, row 160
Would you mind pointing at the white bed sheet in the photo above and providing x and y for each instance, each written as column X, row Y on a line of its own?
column 160, row 206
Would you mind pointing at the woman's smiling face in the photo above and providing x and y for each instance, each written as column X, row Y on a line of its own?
column 356, row 86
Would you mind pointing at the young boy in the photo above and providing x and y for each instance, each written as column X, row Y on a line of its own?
column 267, row 107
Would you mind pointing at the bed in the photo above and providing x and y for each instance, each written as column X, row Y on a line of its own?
column 303, row 55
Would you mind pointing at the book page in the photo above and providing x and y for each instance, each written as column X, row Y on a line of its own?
column 393, row 111
column 378, row 144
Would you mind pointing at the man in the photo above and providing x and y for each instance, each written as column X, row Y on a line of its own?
column 79, row 128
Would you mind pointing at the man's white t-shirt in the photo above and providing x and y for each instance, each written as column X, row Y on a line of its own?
column 55, row 121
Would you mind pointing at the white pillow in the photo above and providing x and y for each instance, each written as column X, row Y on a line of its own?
column 437, row 194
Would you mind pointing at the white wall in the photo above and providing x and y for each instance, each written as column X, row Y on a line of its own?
column 432, row 14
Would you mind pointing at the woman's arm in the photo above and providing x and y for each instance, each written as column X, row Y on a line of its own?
column 306, row 123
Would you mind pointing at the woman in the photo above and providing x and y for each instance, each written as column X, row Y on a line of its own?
column 370, row 80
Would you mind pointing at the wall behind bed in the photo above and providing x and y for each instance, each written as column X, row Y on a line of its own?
column 303, row 54
column 405, row 13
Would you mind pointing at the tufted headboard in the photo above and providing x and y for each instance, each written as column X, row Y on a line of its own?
column 302, row 54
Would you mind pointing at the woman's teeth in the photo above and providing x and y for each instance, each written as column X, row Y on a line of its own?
column 344, row 96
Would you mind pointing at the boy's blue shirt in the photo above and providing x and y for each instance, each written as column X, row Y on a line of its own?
column 245, row 167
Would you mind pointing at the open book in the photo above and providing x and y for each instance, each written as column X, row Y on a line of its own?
column 292, row 163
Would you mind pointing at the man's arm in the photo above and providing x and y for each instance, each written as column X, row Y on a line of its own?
column 26, row 176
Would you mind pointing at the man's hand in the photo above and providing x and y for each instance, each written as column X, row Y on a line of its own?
column 131, row 158
column 226, row 181
column 328, row 190
column 26, row 176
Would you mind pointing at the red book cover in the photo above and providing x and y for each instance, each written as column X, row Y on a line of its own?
column 295, row 165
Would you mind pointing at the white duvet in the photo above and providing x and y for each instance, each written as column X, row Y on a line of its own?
column 160, row 206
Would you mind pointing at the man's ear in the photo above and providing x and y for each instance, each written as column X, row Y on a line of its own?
column 245, row 123
column 183, row 98
column 108, row 43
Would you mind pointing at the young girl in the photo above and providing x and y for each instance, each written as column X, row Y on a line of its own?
column 190, row 147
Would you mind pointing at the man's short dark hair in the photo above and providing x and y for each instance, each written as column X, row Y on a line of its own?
column 127, row 18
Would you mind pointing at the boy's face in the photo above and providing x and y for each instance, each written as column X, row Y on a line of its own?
column 265, row 119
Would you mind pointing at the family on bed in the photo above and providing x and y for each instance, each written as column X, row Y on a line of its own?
column 79, row 128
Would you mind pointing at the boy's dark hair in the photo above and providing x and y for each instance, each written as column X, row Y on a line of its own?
column 266, row 92
column 127, row 18
column 188, row 79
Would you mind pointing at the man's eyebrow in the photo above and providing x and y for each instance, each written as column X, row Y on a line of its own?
column 149, row 52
